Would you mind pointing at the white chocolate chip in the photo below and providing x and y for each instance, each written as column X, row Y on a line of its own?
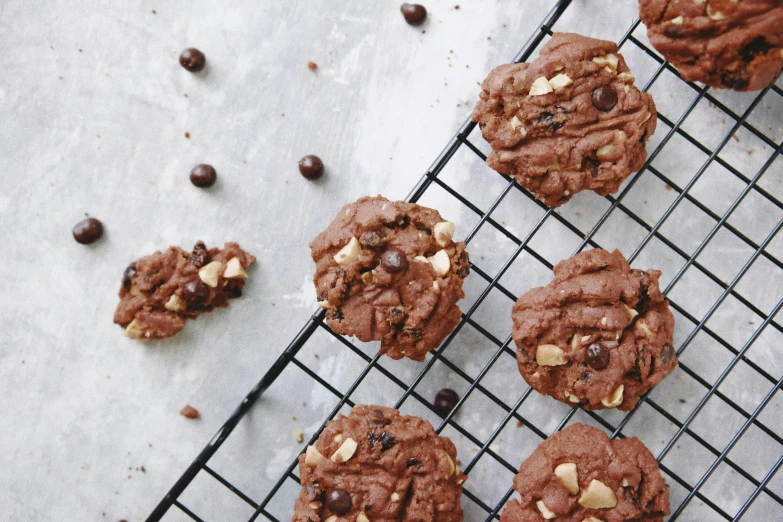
column 515, row 123
column 299, row 436
column 361, row 517
column 559, row 68
column 443, row 232
column 421, row 259
column 349, row 253
column 603, row 321
column 338, row 437
column 395, row 497
column 714, row 15
column 625, row 483
column 641, row 327
column 312, row 456
column 174, row 304
column 550, row 355
column 333, row 518
column 584, row 339
column 440, row 262
column 536, row 376
column 626, row 77
column 313, row 505
column 571, row 397
column 544, row 510
column 345, row 451
column 133, row 330
column 609, row 60
column 597, row 495
column 633, row 313
column 523, row 132
column 615, row 398
column 677, row 21
column 540, row 87
column 560, row 81
column 134, row 290
column 435, row 285
column 324, row 304
column 234, row 269
column 568, row 476
column 604, row 151
column 210, row 273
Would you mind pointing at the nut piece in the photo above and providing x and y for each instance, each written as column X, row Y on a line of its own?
column 568, row 476
column 440, row 262
column 625, row 483
column 349, row 253
column 361, row 517
column 367, row 278
column 615, row 398
column 345, row 451
column 515, row 123
column 544, row 510
column 421, row 259
column 540, row 86
column 642, row 328
column 626, row 77
column 234, row 269
column 633, row 313
column 571, row 397
column 550, row 355
column 597, row 495
column 133, row 330
column 609, row 60
column 604, row 151
column 312, row 456
column 299, row 436
column 452, row 466
column 444, row 231
column 677, row 21
column 210, row 273
column 395, row 497
column 134, row 291
column 324, row 304
column 560, row 81
column 174, row 304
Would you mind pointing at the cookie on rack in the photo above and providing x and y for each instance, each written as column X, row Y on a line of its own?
column 579, row 474
column 376, row 464
column 598, row 336
column 572, row 120
column 722, row 43
column 161, row 290
column 390, row 271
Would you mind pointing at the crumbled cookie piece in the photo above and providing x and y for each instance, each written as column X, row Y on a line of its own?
column 190, row 412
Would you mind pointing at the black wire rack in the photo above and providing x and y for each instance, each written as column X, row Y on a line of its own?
column 721, row 444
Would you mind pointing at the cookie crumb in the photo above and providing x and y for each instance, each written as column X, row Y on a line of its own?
column 667, row 187
column 456, row 7
column 187, row 135
column 683, row 401
column 190, row 412
column 298, row 436
column 312, row 66
column 520, row 424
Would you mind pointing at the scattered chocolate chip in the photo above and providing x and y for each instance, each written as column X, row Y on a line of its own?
column 128, row 274
column 396, row 315
column 190, row 412
column 312, row 66
column 338, row 315
column 445, row 400
column 394, row 261
column 604, row 98
column 591, row 166
column 386, row 440
column 413, row 461
column 338, row 501
column 597, row 356
column 414, row 333
column 414, row 14
column 200, row 255
column 371, row 239
column 203, row 175
column 311, row 166
column 187, row 135
column 378, row 419
column 754, row 48
column 88, row 231
column 195, row 292
column 192, row 59
column 667, row 352
column 673, row 31
column 734, row 80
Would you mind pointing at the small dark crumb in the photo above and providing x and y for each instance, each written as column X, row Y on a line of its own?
column 312, row 66
column 456, row 6
column 667, row 187
column 154, row 11
column 187, row 135
column 683, row 401
column 304, row 404
column 519, row 424
column 282, row 114
column 190, row 412
column 87, row 231
column 80, row 50
column 123, row 520
column 186, row 95
column 316, row 356
column 293, row 418
column 736, row 138
column 489, row 38
column 143, row 470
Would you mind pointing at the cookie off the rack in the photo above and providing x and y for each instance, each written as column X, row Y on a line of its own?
column 579, row 475
column 161, row 290
column 723, row 43
column 390, row 271
column 599, row 335
column 572, row 120
column 378, row 465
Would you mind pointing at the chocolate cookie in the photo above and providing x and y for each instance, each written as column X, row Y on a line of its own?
column 572, row 120
column 162, row 289
column 579, row 475
column 599, row 335
column 377, row 465
column 723, row 43
column 389, row 271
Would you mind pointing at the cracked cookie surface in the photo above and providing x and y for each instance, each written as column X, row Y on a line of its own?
column 579, row 475
column 571, row 120
column 598, row 336
column 376, row 465
column 161, row 290
column 721, row 43
column 390, row 271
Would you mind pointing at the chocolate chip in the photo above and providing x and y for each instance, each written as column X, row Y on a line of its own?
column 445, row 400
column 311, row 166
column 88, row 231
column 195, row 292
column 337, row 315
column 413, row 461
column 414, row 333
column 734, row 80
column 203, row 175
column 128, row 274
column 312, row 66
column 200, row 255
column 386, row 440
column 378, row 419
column 393, row 261
column 667, row 352
column 591, row 166
column 604, row 98
column 414, row 14
column 396, row 315
column 597, row 357
column 372, row 239
column 673, row 31
column 338, row 501
column 192, row 59
column 754, row 48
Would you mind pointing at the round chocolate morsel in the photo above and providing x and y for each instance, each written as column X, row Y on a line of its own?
column 203, row 175
column 311, row 166
column 88, row 231
column 604, row 98
column 591, row 166
column 414, row 14
column 128, row 274
column 338, row 501
column 445, row 400
column 195, row 292
column 192, row 59
column 597, row 356
column 394, row 261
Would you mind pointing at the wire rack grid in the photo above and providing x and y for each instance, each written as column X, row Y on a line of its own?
column 714, row 425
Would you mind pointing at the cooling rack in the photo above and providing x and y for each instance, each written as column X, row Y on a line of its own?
column 705, row 208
